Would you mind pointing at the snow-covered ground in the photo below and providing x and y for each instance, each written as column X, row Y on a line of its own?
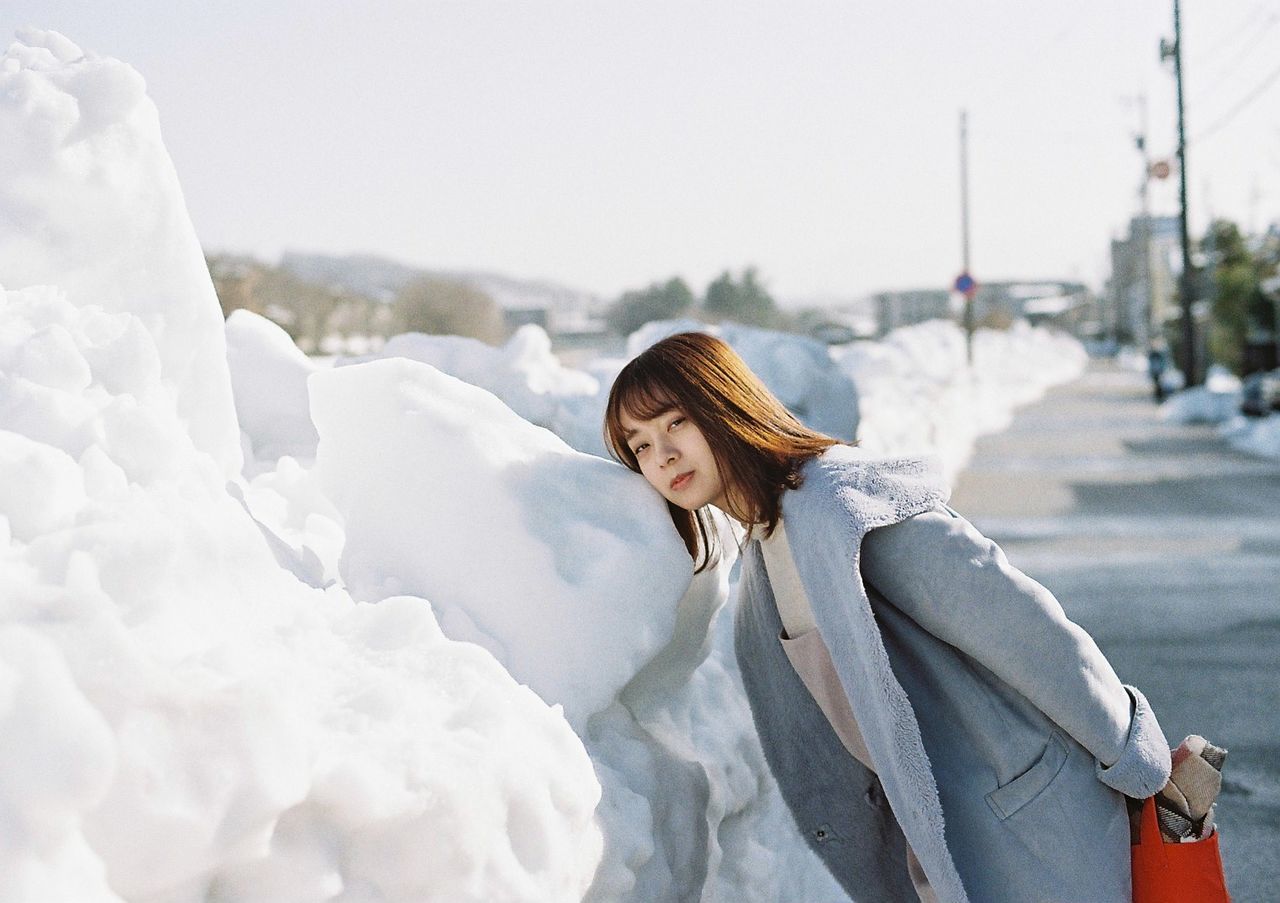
column 386, row 630
column 1218, row 402
column 1256, row 435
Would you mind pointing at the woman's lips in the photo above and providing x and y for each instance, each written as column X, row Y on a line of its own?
column 682, row 481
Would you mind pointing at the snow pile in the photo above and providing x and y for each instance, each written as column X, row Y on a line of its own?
column 184, row 718
column 918, row 393
column 913, row 392
column 523, row 373
column 269, row 382
column 1255, row 435
column 89, row 200
column 1217, row 401
column 560, row 563
column 218, row 726
column 798, row 370
column 528, row 377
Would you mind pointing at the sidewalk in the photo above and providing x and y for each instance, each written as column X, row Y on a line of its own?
column 1164, row 543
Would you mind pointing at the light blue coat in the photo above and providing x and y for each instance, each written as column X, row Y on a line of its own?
column 988, row 714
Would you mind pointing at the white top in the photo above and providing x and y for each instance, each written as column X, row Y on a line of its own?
column 793, row 604
column 804, row 646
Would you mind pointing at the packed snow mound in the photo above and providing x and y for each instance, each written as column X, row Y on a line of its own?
column 269, row 382
column 690, row 809
column 566, row 567
column 797, row 369
column 919, row 393
column 524, row 372
column 1255, row 435
column 195, row 722
column 90, row 202
column 1217, row 401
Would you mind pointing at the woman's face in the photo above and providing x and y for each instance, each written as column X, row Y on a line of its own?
column 675, row 458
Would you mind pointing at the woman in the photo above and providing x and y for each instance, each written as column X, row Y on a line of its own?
column 938, row 727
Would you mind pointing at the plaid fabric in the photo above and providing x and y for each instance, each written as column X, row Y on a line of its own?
column 1184, row 807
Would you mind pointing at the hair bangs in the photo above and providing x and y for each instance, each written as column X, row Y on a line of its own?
column 646, row 397
column 641, row 392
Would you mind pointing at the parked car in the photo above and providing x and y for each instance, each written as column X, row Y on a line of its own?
column 1260, row 393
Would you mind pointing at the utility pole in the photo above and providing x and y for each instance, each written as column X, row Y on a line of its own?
column 1186, row 285
column 1148, row 328
column 964, row 234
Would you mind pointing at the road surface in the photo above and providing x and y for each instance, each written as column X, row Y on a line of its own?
column 1164, row 543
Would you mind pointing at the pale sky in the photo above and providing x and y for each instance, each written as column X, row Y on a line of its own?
column 606, row 145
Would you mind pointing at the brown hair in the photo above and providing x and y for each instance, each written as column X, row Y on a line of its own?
column 757, row 443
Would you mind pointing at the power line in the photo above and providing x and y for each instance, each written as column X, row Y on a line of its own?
column 1244, row 102
column 1230, row 36
column 1239, row 57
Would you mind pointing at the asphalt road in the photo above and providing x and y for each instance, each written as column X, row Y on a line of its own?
column 1164, row 543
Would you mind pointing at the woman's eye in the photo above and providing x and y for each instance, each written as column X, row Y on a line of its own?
column 639, row 448
column 676, row 422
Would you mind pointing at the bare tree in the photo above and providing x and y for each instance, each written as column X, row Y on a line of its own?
column 448, row 307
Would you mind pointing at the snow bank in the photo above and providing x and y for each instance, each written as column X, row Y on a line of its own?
column 183, row 717
column 1255, row 435
column 1218, row 402
column 563, row 565
column 91, row 203
column 269, row 383
column 524, row 373
column 918, row 393
column 912, row 392
column 529, row 379
column 218, row 727
column 798, row 370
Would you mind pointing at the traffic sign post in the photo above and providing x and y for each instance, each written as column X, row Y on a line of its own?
column 966, row 285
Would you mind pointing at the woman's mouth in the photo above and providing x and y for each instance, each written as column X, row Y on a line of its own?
column 682, row 481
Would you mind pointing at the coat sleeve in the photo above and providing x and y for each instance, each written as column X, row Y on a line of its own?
column 957, row 584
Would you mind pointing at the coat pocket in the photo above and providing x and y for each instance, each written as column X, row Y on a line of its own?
column 1006, row 800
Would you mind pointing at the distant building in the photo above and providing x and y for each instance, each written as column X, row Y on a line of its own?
column 1066, row 304
column 1145, row 266
column 903, row 308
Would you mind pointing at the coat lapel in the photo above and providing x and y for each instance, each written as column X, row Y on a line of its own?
column 837, row 802
column 844, row 495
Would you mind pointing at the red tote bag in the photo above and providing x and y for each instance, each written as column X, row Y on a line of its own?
column 1175, row 872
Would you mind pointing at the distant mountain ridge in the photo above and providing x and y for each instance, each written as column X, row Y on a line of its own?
column 381, row 278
